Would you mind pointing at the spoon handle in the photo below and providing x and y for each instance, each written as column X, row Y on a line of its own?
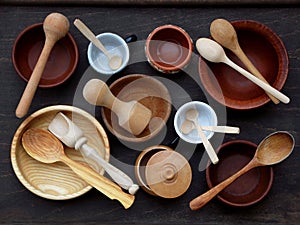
column 90, row 36
column 222, row 129
column 101, row 183
column 283, row 98
column 201, row 200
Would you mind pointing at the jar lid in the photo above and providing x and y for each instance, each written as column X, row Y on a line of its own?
column 168, row 174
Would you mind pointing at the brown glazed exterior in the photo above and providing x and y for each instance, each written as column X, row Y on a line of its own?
column 267, row 53
column 169, row 48
column 248, row 189
column 62, row 61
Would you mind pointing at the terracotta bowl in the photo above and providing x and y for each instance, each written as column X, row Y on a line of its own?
column 169, row 48
column 62, row 61
column 248, row 189
column 268, row 54
column 148, row 91
column 56, row 181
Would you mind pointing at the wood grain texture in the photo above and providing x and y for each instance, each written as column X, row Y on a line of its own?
column 281, row 205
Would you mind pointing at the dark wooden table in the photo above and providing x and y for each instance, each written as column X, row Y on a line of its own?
column 282, row 204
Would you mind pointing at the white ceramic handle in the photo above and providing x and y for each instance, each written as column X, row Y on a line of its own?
column 283, row 98
column 222, row 129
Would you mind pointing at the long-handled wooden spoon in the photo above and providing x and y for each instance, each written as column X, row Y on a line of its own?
column 214, row 52
column 192, row 115
column 43, row 146
column 187, row 126
column 55, row 27
column 115, row 61
column 273, row 149
column 224, row 33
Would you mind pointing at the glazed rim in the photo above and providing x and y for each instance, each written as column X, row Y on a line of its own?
column 209, row 183
column 23, row 126
column 30, row 28
column 160, row 67
column 283, row 62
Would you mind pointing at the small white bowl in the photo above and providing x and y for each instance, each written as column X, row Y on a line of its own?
column 206, row 117
column 115, row 45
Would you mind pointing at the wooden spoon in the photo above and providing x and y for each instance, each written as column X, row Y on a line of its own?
column 43, row 146
column 115, row 61
column 273, row 149
column 192, row 115
column 214, row 52
column 187, row 126
column 224, row 33
column 55, row 27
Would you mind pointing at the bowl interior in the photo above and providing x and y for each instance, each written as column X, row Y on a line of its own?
column 57, row 181
column 148, row 91
column 61, row 63
column 115, row 45
column 247, row 189
column 169, row 47
column 267, row 53
column 206, row 117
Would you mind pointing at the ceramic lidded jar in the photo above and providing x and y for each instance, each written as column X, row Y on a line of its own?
column 163, row 172
column 169, row 48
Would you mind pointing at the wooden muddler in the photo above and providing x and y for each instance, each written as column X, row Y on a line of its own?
column 132, row 116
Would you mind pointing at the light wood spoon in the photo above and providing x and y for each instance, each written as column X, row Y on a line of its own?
column 187, row 126
column 214, row 52
column 115, row 61
column 55, row 26
column 224, row 33
column 192, row 115
column 273, row 149
column 43, row 146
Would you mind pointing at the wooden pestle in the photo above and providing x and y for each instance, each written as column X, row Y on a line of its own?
column 132, row 116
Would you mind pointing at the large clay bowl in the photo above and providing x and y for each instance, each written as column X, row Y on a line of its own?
column 148, row 91
column 268, row 54
column 248, row 189
column 56, row 181
column 61, row 63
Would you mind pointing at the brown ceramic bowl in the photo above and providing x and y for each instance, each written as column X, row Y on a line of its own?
column 148, row 91
column 61, row 63
column 169, row 48
column 248, row 189
column 268, row 54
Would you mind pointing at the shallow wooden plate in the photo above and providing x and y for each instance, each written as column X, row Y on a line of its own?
column 56, row 181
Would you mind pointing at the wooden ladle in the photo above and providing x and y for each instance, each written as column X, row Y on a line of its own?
column 115, row 61
column 224, row 33
column 192, row 115
column 187, row 126
column 132, row 116
column 43, row 146
column 273, row 149
column 214, row 52
column 55, row 27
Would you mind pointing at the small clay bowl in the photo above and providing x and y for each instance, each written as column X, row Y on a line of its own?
column 57, row 181
column 148, row 91
column 248, row 189
column 169, row 48
column 206, row 117
column 268, row 54
column 61, row 63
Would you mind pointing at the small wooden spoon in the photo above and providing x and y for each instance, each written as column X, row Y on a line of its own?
column 187, row 126
column 115, row 61
column 224, row 33
column 273, row 149
column 43, row 146
column 56, row 26
column 192, row 115
column 214, row 52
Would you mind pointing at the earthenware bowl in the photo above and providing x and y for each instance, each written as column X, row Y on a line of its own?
column 250, row 188
column 268, row 54
column 62, row 61
column 169, row 48
column 57, row 181
column 148, row 91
